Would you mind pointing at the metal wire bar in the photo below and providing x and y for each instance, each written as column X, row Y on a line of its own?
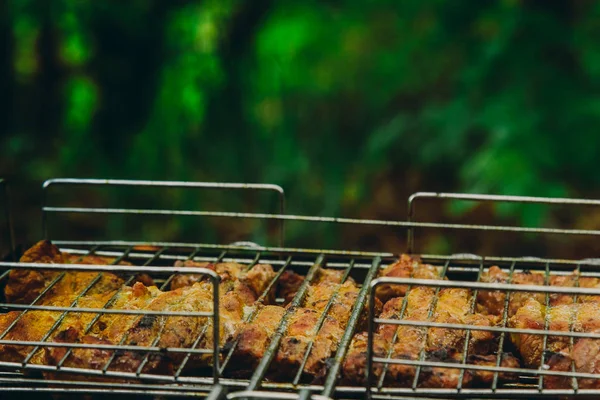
column 431, row 258
column 254, row 312
column 218, row 392
column 111, row 268
column 317, row 328
column 503, row 324
column 265, row 361
column 111, row 301
column 332, row 375
column 432, row 308
column 546, row 326
column 92, row 384
column 107, row 311
column 153, row 349
column 105, row 391
column 255, row 394
column 8, row 218
column 539, row 332
column 4, row 275
column 289, row 217
column 574, row 383
column 488, row 198
column 487, row 286
column 468, row 332
column 166, row 184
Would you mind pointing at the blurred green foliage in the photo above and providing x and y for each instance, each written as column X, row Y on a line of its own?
column 330, row 99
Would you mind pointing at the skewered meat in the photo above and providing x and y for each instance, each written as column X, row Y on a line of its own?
column 493, row 302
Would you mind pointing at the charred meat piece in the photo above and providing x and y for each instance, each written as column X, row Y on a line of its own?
column 34, row 325
column 288, row 284
column 24, row 285
column 249, row 283
column 440, row 344
column 304, row 333
column 493, row 302
column 254, row 338
column 405, row 267
column 580, row 317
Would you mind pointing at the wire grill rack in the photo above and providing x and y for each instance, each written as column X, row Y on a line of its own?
column 157, row 258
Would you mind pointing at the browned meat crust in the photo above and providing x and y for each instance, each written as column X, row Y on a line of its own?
column 584, row 356
column 24, row 285
column 405, row 267
column 493, row 302
column 437, row 344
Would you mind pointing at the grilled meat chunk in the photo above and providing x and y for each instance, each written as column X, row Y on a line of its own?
column 288, row 284
column 493, row 302
column 179, row 331
column 302, row 334
column 249, row 282
column 433, row 344
column 405, row 267
column 254, row 338
column 580, row 317
column 24, row 285
column 35, row 325
column 584, row 355
column 239, row 289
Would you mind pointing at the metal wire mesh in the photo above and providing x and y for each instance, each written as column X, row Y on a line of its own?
column 529, row 380
column 460, row 271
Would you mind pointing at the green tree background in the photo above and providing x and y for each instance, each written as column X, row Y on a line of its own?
column 349, row 105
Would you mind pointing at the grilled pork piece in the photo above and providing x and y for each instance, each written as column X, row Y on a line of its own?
column 288, row 284
column 248, row 282
column 24, row 285
column 239, row 288
column 405, row 267
column 435, row 344
column 235, row 298
column 493, row 302
column 254, row 338
column 584, row 356
column 302, row 332
column 581, row 317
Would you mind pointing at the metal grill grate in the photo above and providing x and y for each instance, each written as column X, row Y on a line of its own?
column 157, row 258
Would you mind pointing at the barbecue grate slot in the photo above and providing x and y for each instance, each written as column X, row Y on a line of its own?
column 464, row 271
